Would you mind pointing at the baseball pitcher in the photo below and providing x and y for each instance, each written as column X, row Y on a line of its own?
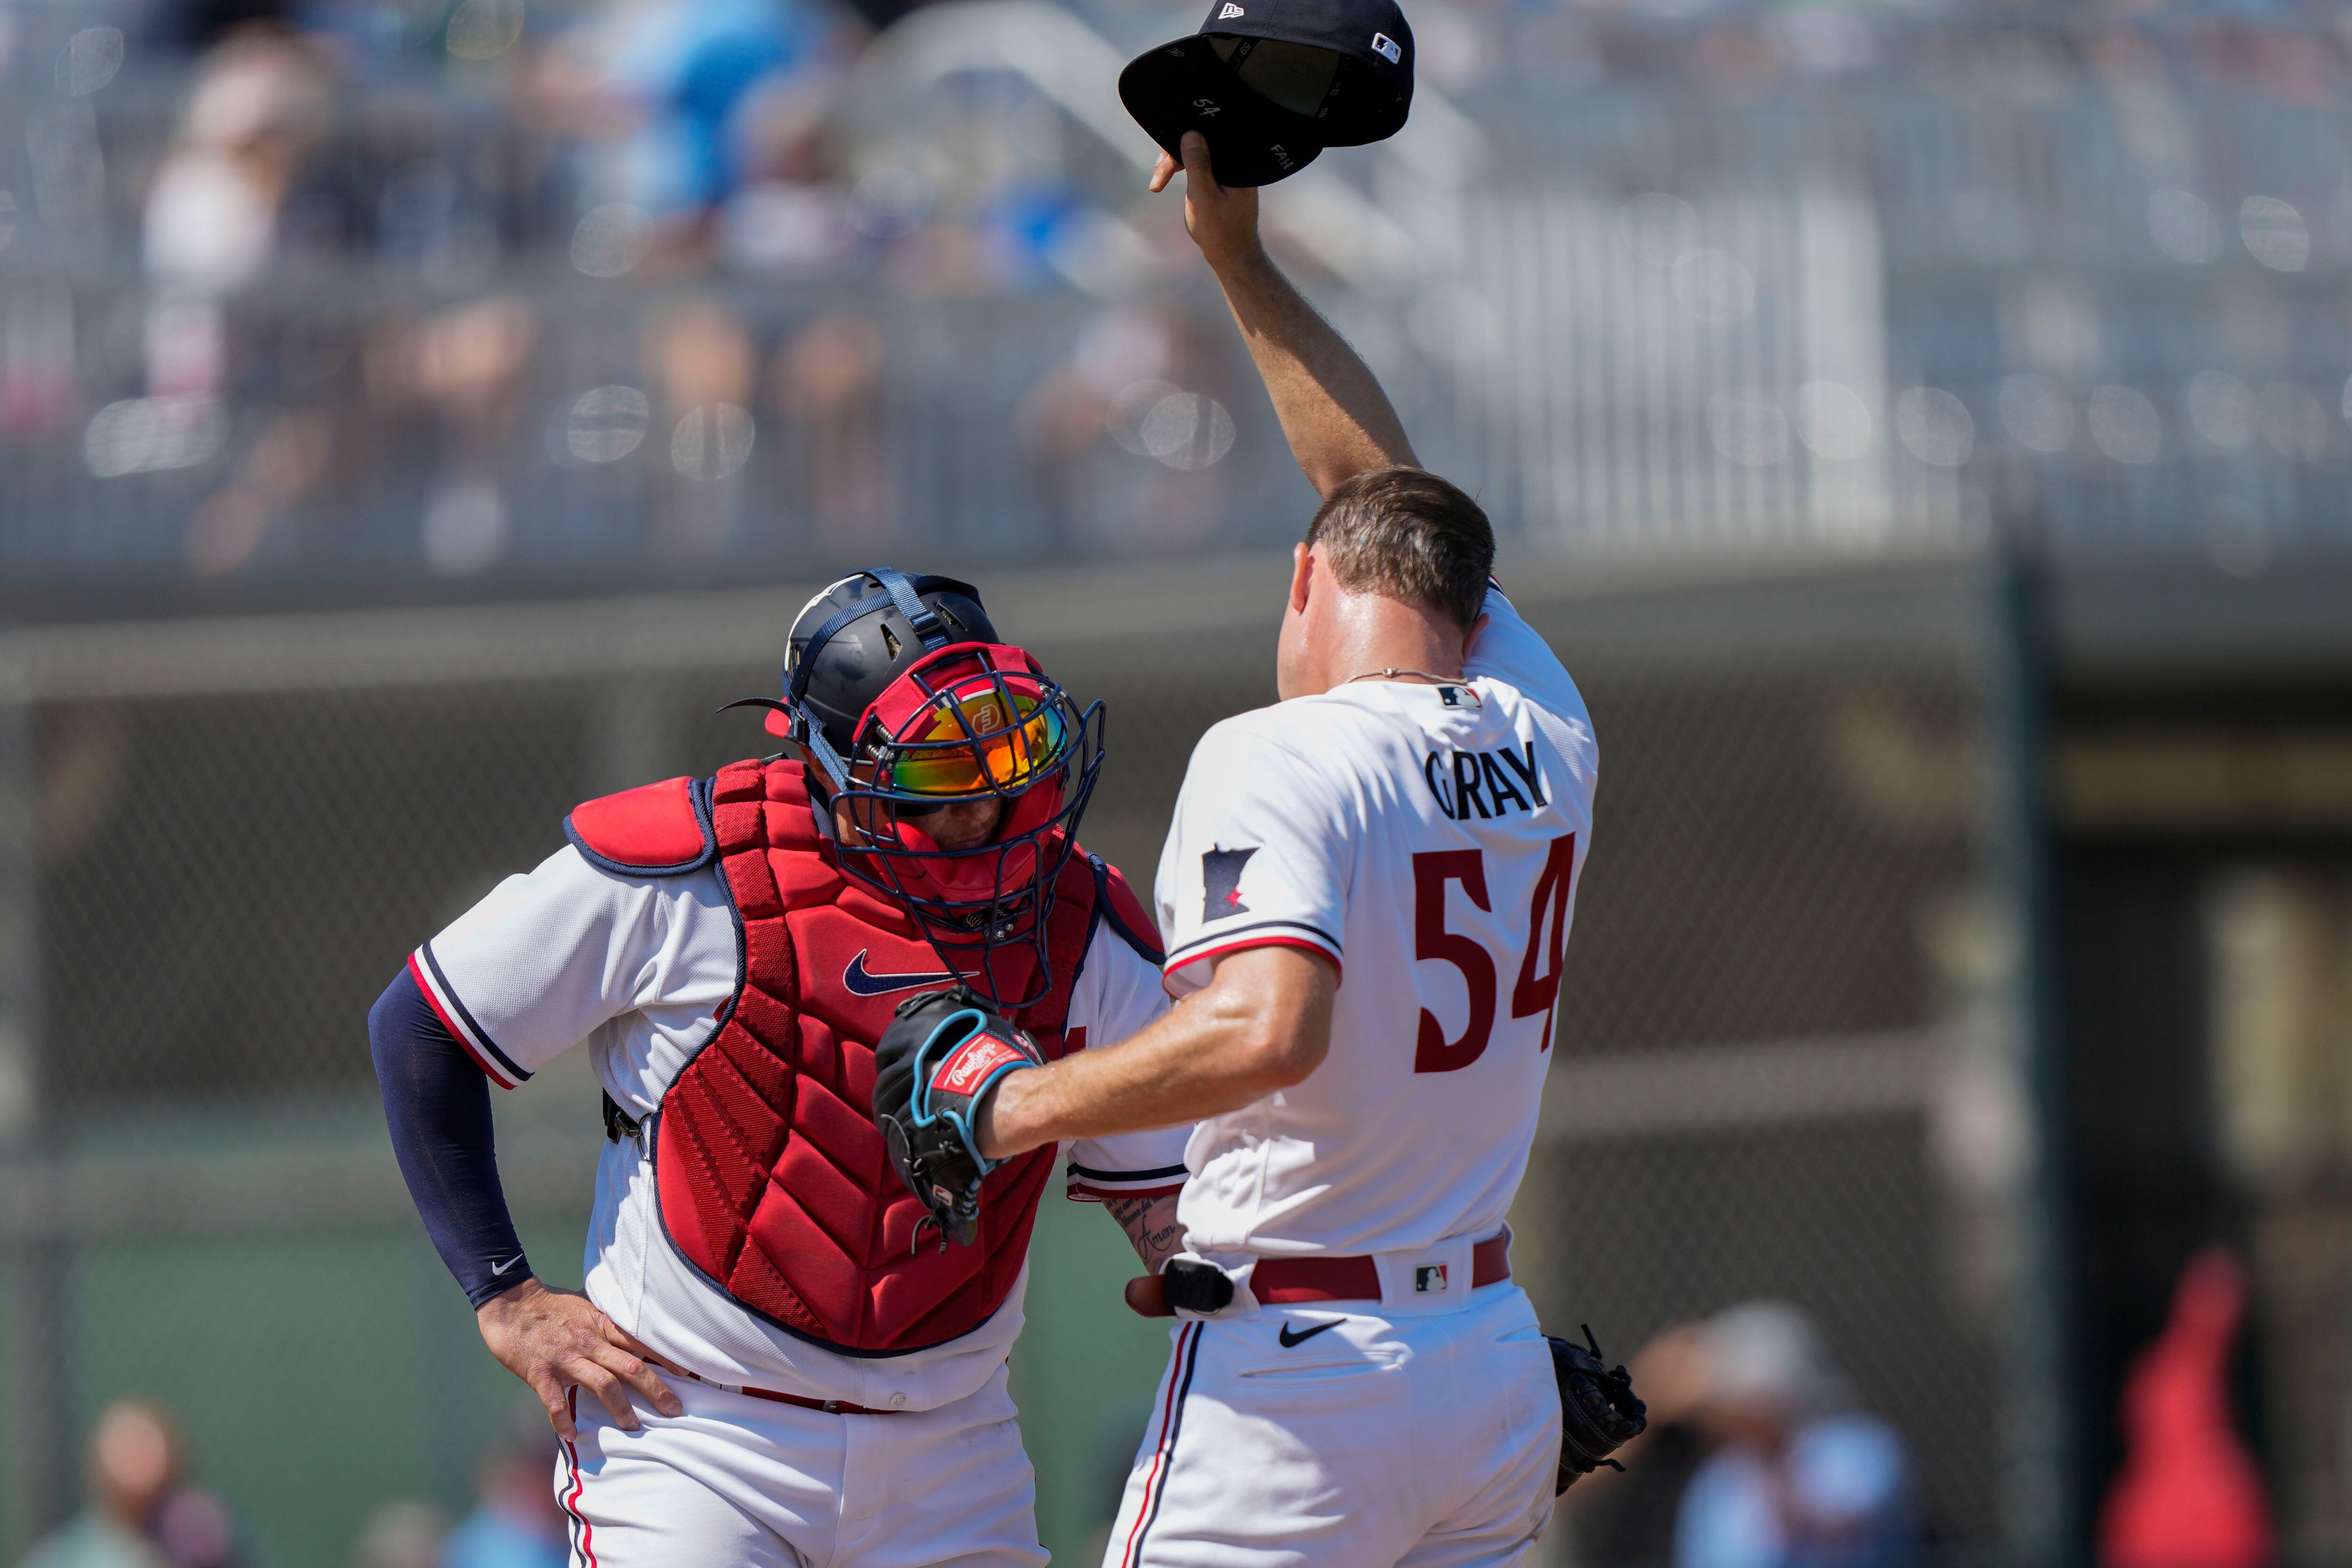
column 794, row 1332
column 1365, row 897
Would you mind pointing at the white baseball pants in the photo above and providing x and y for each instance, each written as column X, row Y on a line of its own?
column 1390, row 1438
column 752, row 1483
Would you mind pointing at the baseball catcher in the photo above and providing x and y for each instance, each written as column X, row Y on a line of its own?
column 796, row 1320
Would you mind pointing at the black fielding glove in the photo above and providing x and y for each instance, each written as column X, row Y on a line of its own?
column 1599, row 1411
column 944, row 1052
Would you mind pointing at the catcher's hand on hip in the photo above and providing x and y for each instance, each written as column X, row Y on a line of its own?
column 1599, row 1412
column 941, row 1057
column 554, row 1339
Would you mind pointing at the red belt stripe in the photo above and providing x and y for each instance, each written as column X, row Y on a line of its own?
column 830, row 1406
column 1294, row 1281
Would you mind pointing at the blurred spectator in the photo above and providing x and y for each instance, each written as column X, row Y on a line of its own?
column 139, row 1515
column 401, row 1535
column 788, row 214
column 211, row 227
column 259, row 106
column 1157, row 385
column 830, row 391
column 700, row 95
column 1628, row 1520
column 2189, row 1496
column 1799, row 1479
column 516, row 1522
column 197, row 24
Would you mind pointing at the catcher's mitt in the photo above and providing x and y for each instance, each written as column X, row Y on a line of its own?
column 1599, row 1411
column 944, row 1052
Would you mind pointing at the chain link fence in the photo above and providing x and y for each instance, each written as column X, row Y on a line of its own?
column 243, row 826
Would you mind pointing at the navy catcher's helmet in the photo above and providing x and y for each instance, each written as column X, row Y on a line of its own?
column 850, row 642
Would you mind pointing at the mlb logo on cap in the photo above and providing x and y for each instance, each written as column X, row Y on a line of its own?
column 1382, row 44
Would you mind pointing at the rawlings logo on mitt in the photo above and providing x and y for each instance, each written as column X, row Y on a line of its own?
column 969, row 1064
column 943, row 1054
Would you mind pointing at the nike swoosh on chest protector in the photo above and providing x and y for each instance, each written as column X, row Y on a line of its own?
column 859, row 981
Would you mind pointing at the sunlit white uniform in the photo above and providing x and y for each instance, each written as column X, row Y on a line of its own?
column 1426, row 841
column 637, row 967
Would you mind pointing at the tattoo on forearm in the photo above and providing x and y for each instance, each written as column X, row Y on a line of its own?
column 1151, row 1225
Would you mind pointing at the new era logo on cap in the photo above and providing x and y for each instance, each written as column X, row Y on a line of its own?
column 1230, row 12
column 1382, row 44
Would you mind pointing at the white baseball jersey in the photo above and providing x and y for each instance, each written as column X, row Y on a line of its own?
column 637, row 967
column 1427, row 841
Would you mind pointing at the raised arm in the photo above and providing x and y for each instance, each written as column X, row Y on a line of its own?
column 1333, row 412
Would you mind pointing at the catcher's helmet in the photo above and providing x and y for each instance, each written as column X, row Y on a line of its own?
column 902, row 700
column 850, row 642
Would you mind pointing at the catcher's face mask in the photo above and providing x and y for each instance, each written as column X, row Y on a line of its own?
column 969, row 722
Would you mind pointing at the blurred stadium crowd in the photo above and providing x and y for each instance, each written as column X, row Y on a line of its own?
column 377, row 292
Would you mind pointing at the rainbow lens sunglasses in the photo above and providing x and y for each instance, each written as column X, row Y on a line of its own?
column 972, row 720
column 987, row 738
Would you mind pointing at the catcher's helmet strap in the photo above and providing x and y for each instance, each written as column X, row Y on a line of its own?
column 919, row 614
column 809, row 737
column 836, row 772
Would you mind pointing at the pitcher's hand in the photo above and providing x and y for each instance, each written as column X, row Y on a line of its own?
column 1223, row 223
column 553, row 1340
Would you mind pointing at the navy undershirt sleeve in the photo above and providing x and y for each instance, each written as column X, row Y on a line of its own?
column 437, row 1104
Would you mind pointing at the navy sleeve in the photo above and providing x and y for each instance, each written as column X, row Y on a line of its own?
column 437, row 1104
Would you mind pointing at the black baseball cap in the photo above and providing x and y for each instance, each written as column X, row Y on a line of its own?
column 1271, row 83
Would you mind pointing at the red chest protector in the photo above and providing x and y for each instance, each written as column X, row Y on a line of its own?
column 773, row 1180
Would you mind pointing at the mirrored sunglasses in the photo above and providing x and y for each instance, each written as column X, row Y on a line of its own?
column 986, row 740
